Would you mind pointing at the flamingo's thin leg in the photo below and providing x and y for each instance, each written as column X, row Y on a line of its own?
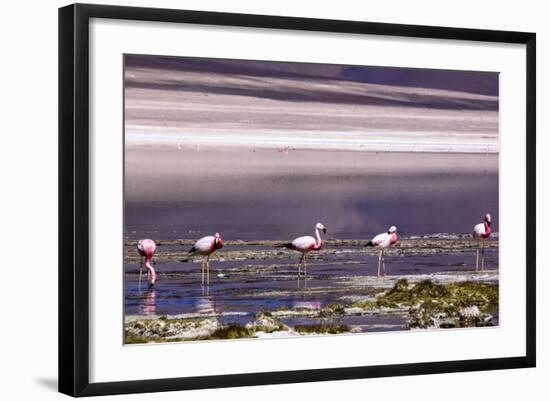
column 208, row 270
column 383, row 264
column 202, row 272
column 477, row 258
column 140, row 273
column 379, row 260
column 482, row 256
column 305, row 268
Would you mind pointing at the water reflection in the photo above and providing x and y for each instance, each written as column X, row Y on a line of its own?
column 313, row 305
column 266, row 197
column 148, row 306
column 205, row 304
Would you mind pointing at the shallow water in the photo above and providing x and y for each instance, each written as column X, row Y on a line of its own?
column 241, row 288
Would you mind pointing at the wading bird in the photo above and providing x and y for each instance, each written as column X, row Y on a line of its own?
column 206, row 247
column 146, row 249
column 306, row 244
column 481, row 232
column 383, row 241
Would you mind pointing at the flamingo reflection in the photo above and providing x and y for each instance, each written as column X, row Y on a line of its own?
column 149, row 305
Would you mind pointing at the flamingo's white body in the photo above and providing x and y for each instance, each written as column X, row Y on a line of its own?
column 383, row 241
column 481, row 232
column 206, row 247
column 306, row 244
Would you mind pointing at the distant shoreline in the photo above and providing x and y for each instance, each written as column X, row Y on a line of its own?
column 171, row 143
column 173, row 160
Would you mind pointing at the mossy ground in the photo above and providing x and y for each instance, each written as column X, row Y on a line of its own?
column 321, row 329
column 230, row 332
column 468, row 293
column 165, row 329
column 131, row 338
column 403, row 294
column 443, row 305
column 426, row 304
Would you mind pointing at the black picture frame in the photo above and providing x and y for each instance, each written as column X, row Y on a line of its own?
column 74, row 201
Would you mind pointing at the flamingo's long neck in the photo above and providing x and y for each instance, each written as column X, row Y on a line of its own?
column 319, row 242
column 151, row 269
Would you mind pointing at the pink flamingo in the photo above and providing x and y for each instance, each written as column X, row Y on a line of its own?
column 146, row 249
column 206, row 247
column 383, row 241
column 306, row 244
column 481, row 232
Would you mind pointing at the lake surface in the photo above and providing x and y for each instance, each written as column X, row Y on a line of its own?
column 269, row 194
column 255, row 195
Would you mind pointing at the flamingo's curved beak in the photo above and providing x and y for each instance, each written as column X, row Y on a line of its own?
column 324, row 230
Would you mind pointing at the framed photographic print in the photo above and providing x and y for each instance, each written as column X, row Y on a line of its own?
column 250, row 199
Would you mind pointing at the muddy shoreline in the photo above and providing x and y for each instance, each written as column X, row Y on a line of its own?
column 177, row 250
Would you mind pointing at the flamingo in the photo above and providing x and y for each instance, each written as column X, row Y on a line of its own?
column 481, row 232
column 146, row 249
column 306, row 244
column 206, row 247
column 383, row 241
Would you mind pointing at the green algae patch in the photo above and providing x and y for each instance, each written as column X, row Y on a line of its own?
column 468, row 293
column 131, row 338
column 365, row 304
column 301, row 309
column 266, row 323
column 230, row 332
column 466, row 304
column 168, row 329
column 484, row 296
column 432, row 305
column 404, row 294
column 331, row 310
column 321, row 329
column 282, row 308
column 172, row 329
